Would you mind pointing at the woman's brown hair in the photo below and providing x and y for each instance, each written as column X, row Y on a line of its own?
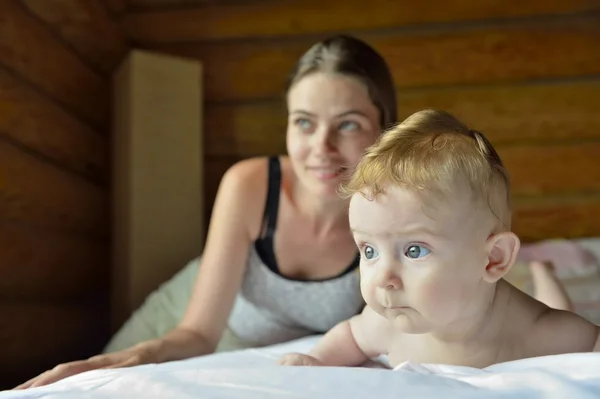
column 350, row 56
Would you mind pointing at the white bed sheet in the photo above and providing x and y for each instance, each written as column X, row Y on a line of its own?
column 252, row 373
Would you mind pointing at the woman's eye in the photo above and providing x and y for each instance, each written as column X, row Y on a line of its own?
column 416, row 251
column 303, row 124
column 370, row 252
column 349, row 126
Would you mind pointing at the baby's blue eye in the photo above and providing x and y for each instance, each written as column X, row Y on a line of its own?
column 370, row 252
column 416, row 251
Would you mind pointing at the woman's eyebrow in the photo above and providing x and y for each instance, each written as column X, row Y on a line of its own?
column 302, row 112
column 352, row 112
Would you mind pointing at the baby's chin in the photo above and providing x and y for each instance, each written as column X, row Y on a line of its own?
column 405, row 320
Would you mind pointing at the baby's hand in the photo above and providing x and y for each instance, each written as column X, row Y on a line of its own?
column 298, row 359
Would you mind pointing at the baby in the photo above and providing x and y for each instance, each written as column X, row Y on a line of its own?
column 430, row 212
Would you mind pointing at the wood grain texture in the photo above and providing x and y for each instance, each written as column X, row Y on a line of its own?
column 48, row 265
column 44, row 196
column 36, row 337
column 40, row 125
column 247, row 19
column 519, row 52
column 507, row 113
column 553, row 169
column 27, row 48
column 116, row 7
column 145, row 5
column 542, row 219
column 245, row 129
column 86, row 26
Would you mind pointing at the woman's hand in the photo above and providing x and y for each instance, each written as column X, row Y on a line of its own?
column 143, row 353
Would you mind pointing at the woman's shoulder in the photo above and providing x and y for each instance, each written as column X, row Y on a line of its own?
column 247, row 172
column 247, row 182
column 248, row 179
column 252, row 171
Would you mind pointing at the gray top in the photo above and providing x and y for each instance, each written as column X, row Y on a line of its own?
column 270, row 308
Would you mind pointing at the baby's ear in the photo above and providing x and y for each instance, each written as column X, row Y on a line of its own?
column 502, row 249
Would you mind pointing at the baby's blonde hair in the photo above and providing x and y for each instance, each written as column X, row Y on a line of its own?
column 434, row 153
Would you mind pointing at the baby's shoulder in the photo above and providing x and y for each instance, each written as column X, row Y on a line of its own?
column 558, row 331
column 372, row 331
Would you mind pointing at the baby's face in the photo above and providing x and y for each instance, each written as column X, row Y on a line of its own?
column 421, row 266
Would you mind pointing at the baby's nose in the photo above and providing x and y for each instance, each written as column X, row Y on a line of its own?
column 389, row 280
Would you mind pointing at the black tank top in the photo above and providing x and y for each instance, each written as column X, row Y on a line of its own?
column 264, row 244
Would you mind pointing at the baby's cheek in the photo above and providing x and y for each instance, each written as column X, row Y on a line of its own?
column 366, row 285
column 440, row 298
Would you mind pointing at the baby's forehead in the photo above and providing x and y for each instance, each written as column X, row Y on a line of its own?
column 398, row 197
column 397, row 205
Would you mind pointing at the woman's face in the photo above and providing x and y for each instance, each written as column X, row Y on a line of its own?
column 331, row 122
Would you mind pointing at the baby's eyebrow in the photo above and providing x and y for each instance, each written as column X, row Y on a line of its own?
column 419, row 230
column 408, row 232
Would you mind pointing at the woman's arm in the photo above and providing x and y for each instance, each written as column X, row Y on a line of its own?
column 235, row 221
column 236, row 217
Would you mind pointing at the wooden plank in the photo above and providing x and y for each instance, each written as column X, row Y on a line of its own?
column 505, row 113
column 300, row 17
column 245, row 129
column 49, row 265
column 553, row 169
column 144, row 5
column 37, row 123
column 86, row 26
column 520, row 52
column 543, row 219
column 515, row 113
column 115, row 7
column 42, row 195
column 36, row 337
column 28, row 49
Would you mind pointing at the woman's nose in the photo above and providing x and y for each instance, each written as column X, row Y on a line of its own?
column 324, row 141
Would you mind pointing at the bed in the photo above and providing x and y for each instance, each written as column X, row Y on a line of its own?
column 253, row 373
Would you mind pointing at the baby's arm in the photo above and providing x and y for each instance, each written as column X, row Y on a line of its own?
column 350, row 343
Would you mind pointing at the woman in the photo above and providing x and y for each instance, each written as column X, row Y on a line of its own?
column 279, row 261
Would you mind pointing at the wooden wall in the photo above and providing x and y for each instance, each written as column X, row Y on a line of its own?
column 525, row 72
column 55, row 62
